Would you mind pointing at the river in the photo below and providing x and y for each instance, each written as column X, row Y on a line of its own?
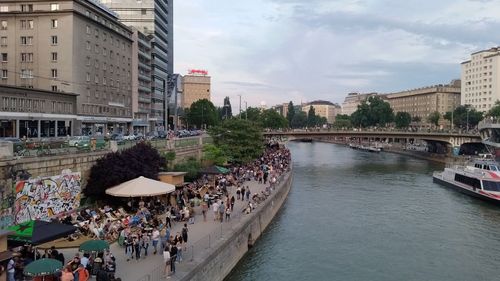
column 354, row 215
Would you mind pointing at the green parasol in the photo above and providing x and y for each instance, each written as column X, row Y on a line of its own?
column 94, row 246
column 43, row 267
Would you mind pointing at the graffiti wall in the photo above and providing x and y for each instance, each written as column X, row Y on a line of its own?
column 43, row 198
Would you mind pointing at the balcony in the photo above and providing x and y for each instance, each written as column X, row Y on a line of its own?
column 145, row 76
column 157, row 106
column 158, row 96
column 145, row 99
column 145, row 88
column 143, row 110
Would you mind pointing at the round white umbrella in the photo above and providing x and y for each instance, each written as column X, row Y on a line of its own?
column 140, row 186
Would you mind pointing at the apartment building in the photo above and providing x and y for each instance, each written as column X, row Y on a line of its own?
column 323, row 109
column 480, row 79
column 423, row 101
column 352, row 101
column 196, row 86
column 153, row 18
column 70, row 46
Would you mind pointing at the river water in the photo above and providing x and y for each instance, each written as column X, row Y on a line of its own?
column 354, row 215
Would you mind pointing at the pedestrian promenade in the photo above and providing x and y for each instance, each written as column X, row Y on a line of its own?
column 202, row 235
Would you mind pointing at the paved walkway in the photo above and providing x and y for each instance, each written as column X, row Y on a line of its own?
column 151, row 267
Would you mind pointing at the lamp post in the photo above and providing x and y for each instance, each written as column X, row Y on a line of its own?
column 467, row 120
column 246, row 110
column 202, row 119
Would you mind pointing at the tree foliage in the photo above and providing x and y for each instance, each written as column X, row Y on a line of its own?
column 214, row 154
column 290, row 114
column 433, row 118
column 299, row 119
column 118, row 167
column 241, row 140
column 495, row 110
column 342, row 121
column 402, row 119
column 251, row 114
column 192, row 167
column 372, row 112
column 460, row 116
column 273, row 120
column 202, row 113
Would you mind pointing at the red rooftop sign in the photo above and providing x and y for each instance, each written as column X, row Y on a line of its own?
column 198, row 71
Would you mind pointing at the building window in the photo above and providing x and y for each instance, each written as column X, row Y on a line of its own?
column 26, row 40
column 54, row 56
column 88, row 61
column 53, row 40
column 26, row 73
column 53, row 23
column 88, row 77
column 53, row 73
column 3, row 41
column 96, row 79
column 88, row 29
column 54, row 7
column 4, row 9
column 26, row 57
column 5, row 74
column 143, row 11
column 54, row 88
column 4, row 57
column 3, row 25
column 27, row 8
column 88, row 45
column 27, row 24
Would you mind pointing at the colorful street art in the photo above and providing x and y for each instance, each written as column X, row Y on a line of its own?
column 43, row 198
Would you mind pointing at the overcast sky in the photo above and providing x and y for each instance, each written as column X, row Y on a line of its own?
column 274, row 51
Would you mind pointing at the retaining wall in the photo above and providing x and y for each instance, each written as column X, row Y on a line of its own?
column 218, row 262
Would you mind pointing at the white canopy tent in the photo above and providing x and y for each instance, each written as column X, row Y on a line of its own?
column 141, row 186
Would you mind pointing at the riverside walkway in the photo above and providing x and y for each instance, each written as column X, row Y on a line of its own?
column 202, row 236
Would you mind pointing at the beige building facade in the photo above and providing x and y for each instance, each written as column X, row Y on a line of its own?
column 352, row 101
column 194, row 88
column 73, row 46
column 480, row 79
column 422, row 102
column 324, row 109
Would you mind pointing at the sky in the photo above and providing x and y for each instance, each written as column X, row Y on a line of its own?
column 276, row 51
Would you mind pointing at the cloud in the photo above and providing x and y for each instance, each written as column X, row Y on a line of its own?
column 281, row 50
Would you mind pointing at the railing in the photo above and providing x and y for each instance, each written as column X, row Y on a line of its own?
column 201, row 248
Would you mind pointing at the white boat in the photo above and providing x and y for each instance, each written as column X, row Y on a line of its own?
column 479, row 178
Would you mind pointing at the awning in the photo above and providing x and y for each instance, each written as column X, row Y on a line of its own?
column 215, row 170
column 37, row 232
column 141, row 186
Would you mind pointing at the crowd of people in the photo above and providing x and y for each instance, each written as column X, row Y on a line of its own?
column 144, row 226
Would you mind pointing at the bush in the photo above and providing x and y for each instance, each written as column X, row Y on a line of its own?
column 191, row 166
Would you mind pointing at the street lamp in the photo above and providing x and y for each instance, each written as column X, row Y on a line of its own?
column 467, row 119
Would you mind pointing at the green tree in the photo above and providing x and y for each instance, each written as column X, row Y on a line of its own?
column 202, row 113
column 342, row 121
column 495, row 110
column 242, row 140
column 372, row 112
column 464, row 114
column 416, row 119
column 448, row 116
column 215, row 154
column 402, row 119
column 290, row 114
column 433, row 118
column 311, row 117
column 192, row 167
column 251, row 114
column 273, row 120
column 169, row 159
column 299, row 119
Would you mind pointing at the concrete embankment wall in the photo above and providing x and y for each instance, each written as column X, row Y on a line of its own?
column 217, row 263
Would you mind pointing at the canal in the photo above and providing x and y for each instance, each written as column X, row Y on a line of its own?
column 354, row 215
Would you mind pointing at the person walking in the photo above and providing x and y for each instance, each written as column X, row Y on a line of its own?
column 137, row 247
column 166, row 260
column 232, row 203
column 184, row 232
column 145, row 244
column 155, row 237
column 242, row 193
column 248, row 193
column 11, row 270
column 238, row 192
column 204, row 210
column 215, row 209
column 228, row 213
column 222, row 209
column 173, row 257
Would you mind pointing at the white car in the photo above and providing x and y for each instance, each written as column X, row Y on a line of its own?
column 129, row 137
column 78, row 140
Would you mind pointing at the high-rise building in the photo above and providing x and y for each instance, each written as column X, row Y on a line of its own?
column 480, row 79
column 195, row 86
column 73, row 46
column 422, row 102
column 324, row 109
column 155, row 18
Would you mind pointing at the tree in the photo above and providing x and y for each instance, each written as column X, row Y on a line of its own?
column 214, row 154
column 311, row 117
column 299, row 119
column 192, row 167
column 495, row 110
column 448, row 116
column 372, row 112
column 251, row 114
column 118, row 167
column 290, row 114
column 226, row 109
column 241, row 140
column 169, row 158
column 202, row 114
column 402, row 119
column 433, row 118
column 273, row 120
column 342, row 121
column 464, row 114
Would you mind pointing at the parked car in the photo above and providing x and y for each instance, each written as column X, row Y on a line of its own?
column 119, row 139
column 100, row 142
column 77, row 141
column 139, row 136
column 18, row 144
column 152, row 135
column 129, row 137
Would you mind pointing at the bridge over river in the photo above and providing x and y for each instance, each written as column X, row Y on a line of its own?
column 441, row 142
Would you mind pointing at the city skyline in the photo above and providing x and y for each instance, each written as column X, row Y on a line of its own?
column 281, row 50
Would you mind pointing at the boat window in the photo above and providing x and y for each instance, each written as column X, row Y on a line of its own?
column 491, row 186
column 473, row 182
column 494, row 168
